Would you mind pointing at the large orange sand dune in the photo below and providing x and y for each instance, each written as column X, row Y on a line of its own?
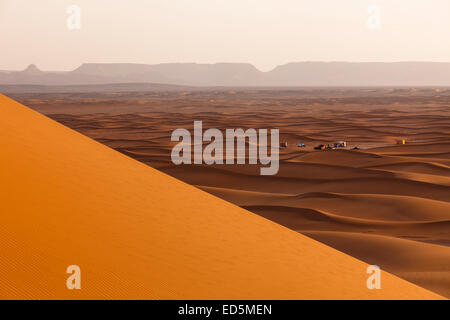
column 138, row 233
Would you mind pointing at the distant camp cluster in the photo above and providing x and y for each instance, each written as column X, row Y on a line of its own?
column 334, row 146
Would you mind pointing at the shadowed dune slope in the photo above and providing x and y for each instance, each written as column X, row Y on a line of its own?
column 138, row 233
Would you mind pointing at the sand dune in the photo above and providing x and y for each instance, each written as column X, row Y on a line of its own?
column 396, row 194
column 349, row 158
column 427, row 178
column 363, row 206
column 137, row 233
column 210, row 176
column 426, row 264
column 429, row 147
column 417, row 167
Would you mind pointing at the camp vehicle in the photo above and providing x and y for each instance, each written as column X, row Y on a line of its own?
column 301, row 145
column 320, row 147
column 340, row 144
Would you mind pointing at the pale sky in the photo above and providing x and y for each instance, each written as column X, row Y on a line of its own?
column 265, row 33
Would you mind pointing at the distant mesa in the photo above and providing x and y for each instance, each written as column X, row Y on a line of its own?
column 32, row 69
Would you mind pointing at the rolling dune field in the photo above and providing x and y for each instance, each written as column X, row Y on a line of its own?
column 385, row 204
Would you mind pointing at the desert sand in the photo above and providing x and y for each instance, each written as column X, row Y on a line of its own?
column 140, row 233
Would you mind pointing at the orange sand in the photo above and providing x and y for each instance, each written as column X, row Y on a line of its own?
column 138, row 233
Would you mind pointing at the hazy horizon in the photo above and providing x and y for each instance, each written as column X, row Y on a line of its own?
column 263, row 33
column 214, row 63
